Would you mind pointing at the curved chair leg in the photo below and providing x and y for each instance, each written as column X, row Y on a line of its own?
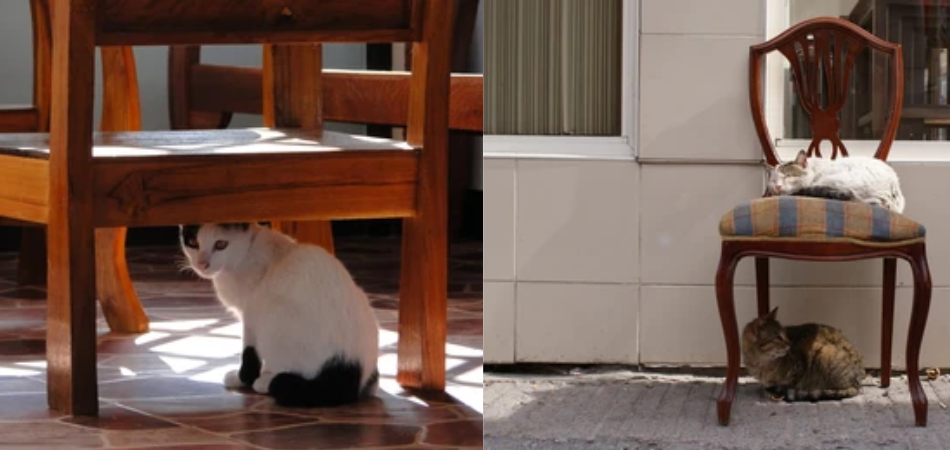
column 120, row 304
column 918, row 321
column 762, row 284
column 887, row 319
column 120, row 112
column 727, row 313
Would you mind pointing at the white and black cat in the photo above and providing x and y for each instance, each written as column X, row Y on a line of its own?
column 867, row 180
column 310, row 335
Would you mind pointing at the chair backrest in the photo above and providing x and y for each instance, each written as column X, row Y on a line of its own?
column 822, row 53
column 205, row 95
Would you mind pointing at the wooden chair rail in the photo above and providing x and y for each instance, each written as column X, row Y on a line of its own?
column 173, row 22
column 345, row 94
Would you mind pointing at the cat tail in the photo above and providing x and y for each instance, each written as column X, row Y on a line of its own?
column 337, row 383
column 822, row 394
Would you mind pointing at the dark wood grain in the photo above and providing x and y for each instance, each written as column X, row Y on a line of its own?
column 169, row 22
column 71, row 304
column 817, row 35
column 887, row 319
column 346, row 95
column 168, row 190
column 31, row 264
column 424, row 282
column 121, row 111
column 19, row 120
column 293, row 98
column 734, row 250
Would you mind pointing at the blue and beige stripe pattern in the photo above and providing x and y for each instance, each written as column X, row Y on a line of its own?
column 806, row 218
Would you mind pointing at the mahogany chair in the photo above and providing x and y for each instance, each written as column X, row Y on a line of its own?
column 822, row 55
column 120, row 112
column 206, row 96
column 75, row 181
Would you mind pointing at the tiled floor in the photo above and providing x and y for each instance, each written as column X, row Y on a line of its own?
column 163, row 389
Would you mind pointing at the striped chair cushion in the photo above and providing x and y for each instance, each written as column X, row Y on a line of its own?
column 806, row 218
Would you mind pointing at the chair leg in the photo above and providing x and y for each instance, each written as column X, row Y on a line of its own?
column 424, row 283
column 887, row 319
column 762, row 285
column 71, row 305
column 727, row 313
column 120, row 304
column 31, row 264
column 918, row 321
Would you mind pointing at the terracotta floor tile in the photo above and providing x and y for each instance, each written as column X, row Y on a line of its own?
column 333, row 436
column 118, row 418
column 160, row 437
column 162, row 389
column 249, row 421
column 467, row 433
column 158, row 387
column 47, row 436
column 176, row 409
column 26, row 407
column 193, row 447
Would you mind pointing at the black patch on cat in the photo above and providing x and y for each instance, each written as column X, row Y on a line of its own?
column 825, row 192
column 250, row 366
column 370, row 383
column 189, row 233
column 337, row 383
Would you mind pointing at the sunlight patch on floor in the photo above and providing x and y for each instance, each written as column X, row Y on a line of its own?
column 202, row 347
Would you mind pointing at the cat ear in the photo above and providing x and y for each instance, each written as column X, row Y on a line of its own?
column 771, row 314
column 802, row 158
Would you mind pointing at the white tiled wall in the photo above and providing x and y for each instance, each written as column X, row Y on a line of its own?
column 577, row 221
column 614, row 261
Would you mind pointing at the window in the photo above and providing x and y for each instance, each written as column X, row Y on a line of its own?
column 554, row 67
column 921, row 27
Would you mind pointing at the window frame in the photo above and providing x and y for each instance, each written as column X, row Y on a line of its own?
column 622, row 147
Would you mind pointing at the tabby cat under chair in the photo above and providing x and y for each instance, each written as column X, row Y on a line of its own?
column 802, row 362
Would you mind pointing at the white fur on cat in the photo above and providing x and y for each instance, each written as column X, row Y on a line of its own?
column 868, row 180
column 298, row 304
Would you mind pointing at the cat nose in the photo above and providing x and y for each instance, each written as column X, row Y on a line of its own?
column 203, row 265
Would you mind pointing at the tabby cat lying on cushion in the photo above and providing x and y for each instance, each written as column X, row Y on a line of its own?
column 802, row 362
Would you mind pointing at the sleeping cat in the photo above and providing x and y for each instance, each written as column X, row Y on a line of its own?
column 802, row 362
column 867, row 180
column 310, row 335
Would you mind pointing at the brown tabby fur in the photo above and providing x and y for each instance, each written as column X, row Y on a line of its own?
column 802, row 362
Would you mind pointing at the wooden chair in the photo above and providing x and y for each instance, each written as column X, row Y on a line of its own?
column 204, row 96
column 822, row 54
column 120, row 112
column 76, row 181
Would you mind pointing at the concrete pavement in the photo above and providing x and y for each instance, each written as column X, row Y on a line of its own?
column 621, row 409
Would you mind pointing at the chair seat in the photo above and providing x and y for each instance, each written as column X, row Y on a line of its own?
column 814, row 219
column 204, row 142
column 161, row 178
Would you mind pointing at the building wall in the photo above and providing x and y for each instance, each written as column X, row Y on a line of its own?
column 614, row 260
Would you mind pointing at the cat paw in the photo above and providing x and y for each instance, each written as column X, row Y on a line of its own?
column 232, row 380
column 262, row 384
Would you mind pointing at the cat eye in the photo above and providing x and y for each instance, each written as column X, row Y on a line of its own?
column 220, row 245
column 193, row 243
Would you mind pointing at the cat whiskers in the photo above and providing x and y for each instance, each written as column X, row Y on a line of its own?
column 184, row 266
